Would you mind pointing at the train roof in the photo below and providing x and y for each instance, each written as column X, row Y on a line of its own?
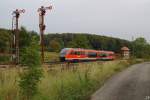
column 78, row 49
column 106, row 51
column 103, row 51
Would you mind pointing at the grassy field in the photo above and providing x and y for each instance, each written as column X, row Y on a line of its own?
column 51, row 56
column 5, row 59
column 76, row 83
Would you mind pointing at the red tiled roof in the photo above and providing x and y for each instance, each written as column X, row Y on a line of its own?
column 125, row 49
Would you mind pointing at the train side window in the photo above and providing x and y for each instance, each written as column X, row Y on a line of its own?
column 92, row 54
column 77, row 52
column 86, row 53
column 82, row 53
column 103, row 55
column 72, row 52
column 111, row 54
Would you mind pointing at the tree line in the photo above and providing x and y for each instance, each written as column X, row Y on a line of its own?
column 54, row 42
column 6, row 39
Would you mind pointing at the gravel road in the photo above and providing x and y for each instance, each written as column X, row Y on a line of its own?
column 131, row 84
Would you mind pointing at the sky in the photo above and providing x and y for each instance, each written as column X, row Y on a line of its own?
column 127, row 19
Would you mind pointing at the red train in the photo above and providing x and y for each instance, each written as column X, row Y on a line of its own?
column 77, row 54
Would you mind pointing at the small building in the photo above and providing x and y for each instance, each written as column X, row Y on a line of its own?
column 125, row 52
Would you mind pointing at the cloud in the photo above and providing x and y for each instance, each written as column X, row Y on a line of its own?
column 88, row 16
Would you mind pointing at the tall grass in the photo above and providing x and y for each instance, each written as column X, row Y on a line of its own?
column 73, row 84
column 51, row 56
column 8, row 84
column 4, row 59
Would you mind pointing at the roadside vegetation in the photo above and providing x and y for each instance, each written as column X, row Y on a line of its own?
column 51, row 56
column 54, row 42
column 30, row 77
column 32, row 81
column 75, row 83
column 5, row 59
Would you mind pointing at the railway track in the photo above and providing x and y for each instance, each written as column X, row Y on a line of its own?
column 6, row 66
column 53, row 64
column 69, row 64
column 58, row 62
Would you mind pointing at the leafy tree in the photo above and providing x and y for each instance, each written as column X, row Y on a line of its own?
column 26, row 37
column 87, row 41
column 54, row 45
column 141, row 48
column 5, row 40
column 30, row 78
column 141, row 41
column 95, row 42
column 79, row 41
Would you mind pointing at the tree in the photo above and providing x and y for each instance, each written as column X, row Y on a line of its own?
column 54, row 45
column 141, row 41
column 26, row 37
column 141, row 48
column 79, row 41
column 30, row 78
column 5, row 40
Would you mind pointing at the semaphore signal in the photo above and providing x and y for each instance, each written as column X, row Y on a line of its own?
column 42, row 26
column 16, row 15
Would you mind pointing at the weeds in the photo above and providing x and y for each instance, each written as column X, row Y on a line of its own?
column 76, row 84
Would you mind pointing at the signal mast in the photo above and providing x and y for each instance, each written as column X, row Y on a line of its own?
column 16, row 15
column 42, row 12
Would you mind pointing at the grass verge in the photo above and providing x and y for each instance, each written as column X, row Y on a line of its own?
column 73, row 84
column 51, row 56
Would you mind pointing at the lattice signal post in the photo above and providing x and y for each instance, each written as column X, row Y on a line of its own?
column 16, row 15
column 42, row 12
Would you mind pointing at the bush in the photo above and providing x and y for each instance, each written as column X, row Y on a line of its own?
column 30, row 78
column 4, row 59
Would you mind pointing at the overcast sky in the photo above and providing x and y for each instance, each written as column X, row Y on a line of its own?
column 117, row 18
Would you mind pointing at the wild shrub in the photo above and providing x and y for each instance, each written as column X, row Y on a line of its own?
column 30, row 78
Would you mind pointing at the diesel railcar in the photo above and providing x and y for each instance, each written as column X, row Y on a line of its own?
column 78, row 54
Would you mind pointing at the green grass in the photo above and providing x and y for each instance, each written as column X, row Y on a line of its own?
column 4, row 59
column 77, row 83
column 51, row 56
column 48, row 57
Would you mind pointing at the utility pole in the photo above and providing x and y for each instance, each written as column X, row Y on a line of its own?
column 16, row 15
column 42, row 12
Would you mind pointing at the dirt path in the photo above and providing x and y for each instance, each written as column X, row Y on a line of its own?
column 131, row 84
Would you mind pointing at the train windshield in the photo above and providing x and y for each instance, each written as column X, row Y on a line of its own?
column 64, row 51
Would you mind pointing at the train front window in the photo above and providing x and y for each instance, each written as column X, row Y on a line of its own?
column 64, row 52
